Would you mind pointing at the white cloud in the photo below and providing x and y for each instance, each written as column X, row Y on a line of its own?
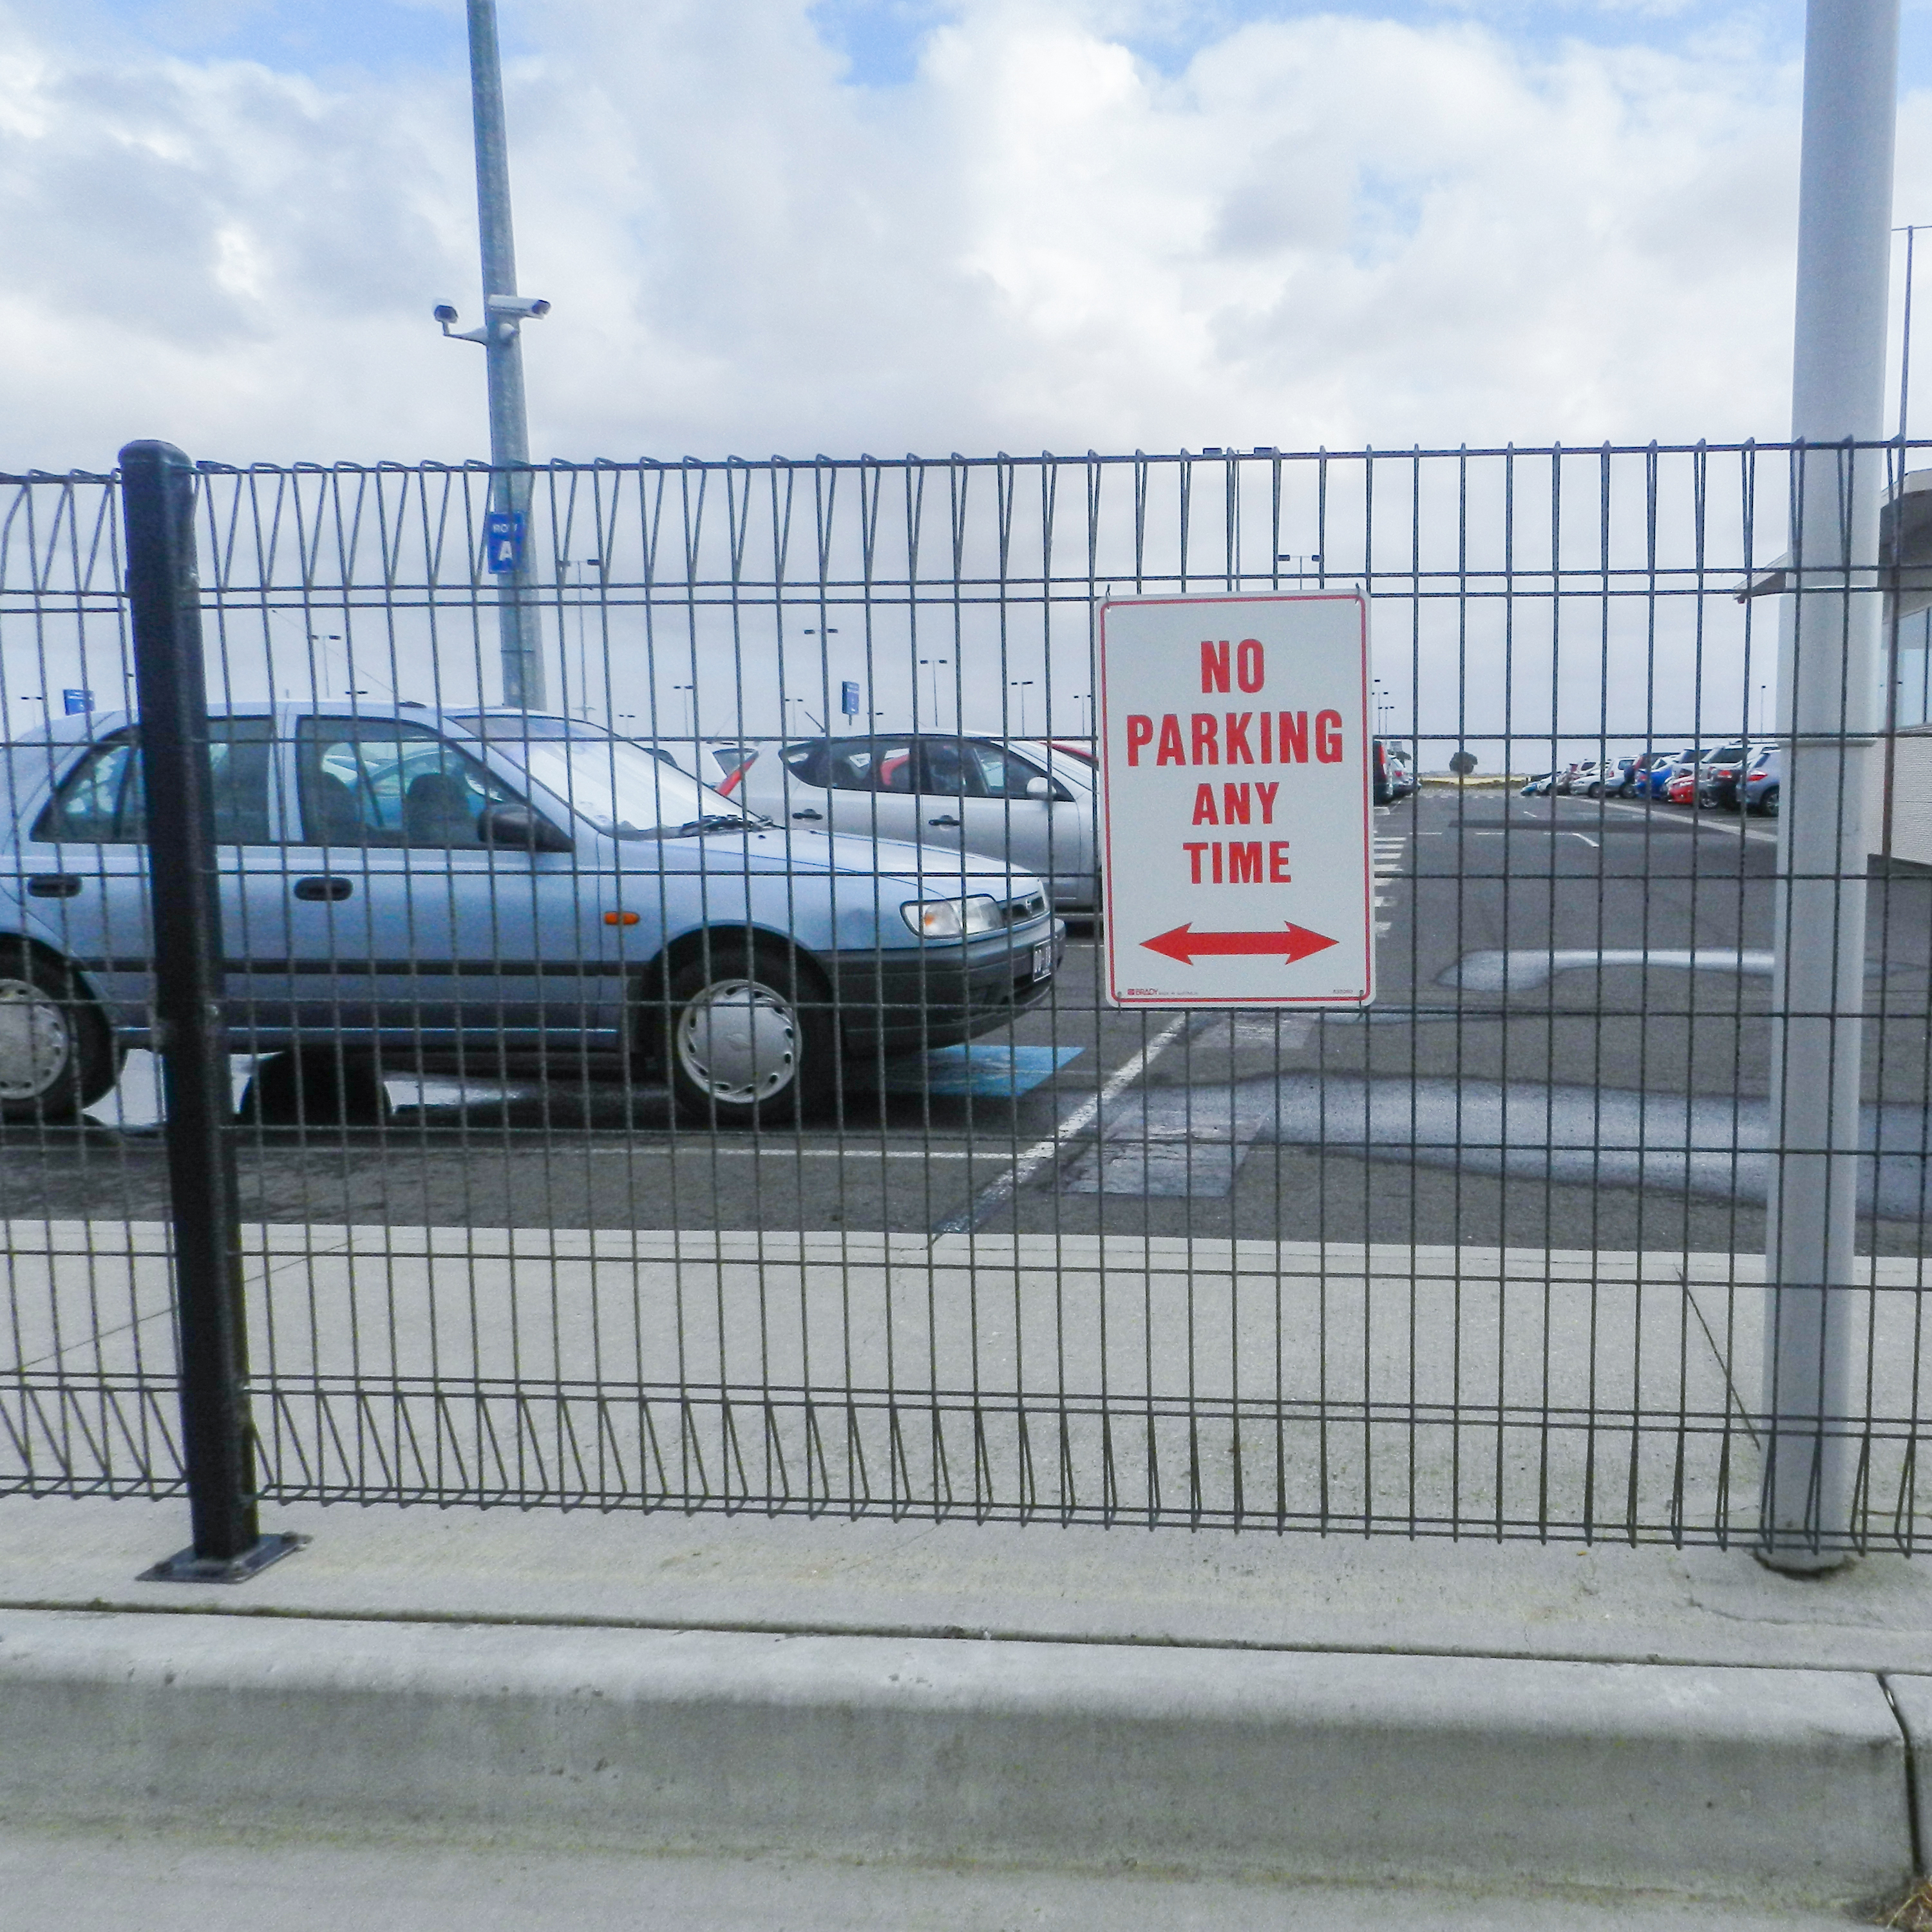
column 1328, row 230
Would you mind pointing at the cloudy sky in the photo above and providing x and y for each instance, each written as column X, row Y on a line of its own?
column 885, row 225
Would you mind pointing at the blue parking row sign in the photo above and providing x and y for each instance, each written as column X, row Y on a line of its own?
column 76, row 702
column 503, row 540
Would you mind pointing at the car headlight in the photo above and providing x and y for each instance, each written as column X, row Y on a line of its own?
column 952, row 919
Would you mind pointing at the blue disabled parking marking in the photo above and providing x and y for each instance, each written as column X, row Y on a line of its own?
column 983, row 1072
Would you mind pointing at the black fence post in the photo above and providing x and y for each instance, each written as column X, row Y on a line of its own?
column 157, row 508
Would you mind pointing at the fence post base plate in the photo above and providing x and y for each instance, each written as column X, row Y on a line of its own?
column 185, row 1567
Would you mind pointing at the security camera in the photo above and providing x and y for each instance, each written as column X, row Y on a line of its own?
column 445, row 315
column 532, row 306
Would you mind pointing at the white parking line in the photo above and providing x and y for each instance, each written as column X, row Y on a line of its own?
column 1699, row 822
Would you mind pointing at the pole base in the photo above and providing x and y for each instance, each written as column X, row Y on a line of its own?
column 185, row 1567
column 1796, row 1559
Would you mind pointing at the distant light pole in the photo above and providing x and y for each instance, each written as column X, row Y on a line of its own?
column 690, row 708
column 1300, row 559
column 824, row 665
column 1022, row 685
column 322, row 657
column 935, row 663
column 504, row 311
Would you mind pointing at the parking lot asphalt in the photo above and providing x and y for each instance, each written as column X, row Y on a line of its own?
column 1569, row 1048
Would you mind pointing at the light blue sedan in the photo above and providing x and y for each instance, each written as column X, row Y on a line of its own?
column 413, row 885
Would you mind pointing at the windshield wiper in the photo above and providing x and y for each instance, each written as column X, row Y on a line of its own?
column 715, row 821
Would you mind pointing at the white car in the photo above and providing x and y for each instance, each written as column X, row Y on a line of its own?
column 997, row 798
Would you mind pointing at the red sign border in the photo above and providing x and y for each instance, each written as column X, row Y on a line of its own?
column 1168, row 1002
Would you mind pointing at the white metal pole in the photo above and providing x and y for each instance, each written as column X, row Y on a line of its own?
column 518, row 633
column 1829, row 675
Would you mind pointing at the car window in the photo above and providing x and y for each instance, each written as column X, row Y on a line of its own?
column 103, row 801
column 810, row 764
column 867, row 764
column 948, row 769
column 1001, row 773
column 382, row 781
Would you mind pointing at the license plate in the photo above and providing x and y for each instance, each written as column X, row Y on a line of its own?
column 1042, row 960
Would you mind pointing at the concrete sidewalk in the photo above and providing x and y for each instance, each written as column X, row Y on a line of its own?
column 750, row 1721
column 978, row 1727
column 183, row 1882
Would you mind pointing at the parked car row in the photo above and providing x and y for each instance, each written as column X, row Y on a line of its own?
column 1727, row 777
column 405, row 882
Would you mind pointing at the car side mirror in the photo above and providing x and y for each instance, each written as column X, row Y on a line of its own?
column 1039, row 788
column 518, row 825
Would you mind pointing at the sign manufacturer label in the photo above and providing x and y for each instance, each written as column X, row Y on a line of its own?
column 1234, row 801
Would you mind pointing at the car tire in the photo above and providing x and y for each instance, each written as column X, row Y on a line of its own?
column 316, row 1086
column 57, row 1053
column 1767, row 804
column 749, row 1039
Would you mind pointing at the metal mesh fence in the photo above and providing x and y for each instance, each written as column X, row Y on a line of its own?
column 696, row 1091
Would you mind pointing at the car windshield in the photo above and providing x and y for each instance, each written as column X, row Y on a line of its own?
column 623, row 789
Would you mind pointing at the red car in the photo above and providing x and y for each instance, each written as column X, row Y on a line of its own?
column 1682, row 789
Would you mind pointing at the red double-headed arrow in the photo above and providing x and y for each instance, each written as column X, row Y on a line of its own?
column 1293, row 942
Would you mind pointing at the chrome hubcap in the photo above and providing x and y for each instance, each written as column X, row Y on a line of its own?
column 738, row 1041
column 35, row 1045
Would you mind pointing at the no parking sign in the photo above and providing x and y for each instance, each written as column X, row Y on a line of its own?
column 1235, row 795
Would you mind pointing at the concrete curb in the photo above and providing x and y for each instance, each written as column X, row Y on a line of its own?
column 1912, row 1703
column 1784, row 1784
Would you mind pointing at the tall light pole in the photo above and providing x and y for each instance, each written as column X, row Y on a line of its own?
column 1829, row 676
column 1022, row 684
column 935, row 663
column 519, row 636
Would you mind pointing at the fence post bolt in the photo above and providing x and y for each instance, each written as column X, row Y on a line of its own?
column 157, row 488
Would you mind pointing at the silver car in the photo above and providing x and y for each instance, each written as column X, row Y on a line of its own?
column 410, row 885
column 988, row 798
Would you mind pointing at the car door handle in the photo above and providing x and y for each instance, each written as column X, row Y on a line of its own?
column 807, row 813
column 944, row 821
column 55, row 885
column 324, row 889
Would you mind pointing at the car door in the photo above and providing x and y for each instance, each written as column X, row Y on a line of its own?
column 977, row 796
column 870, row 787
column 85, row 860
column 404, row 924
